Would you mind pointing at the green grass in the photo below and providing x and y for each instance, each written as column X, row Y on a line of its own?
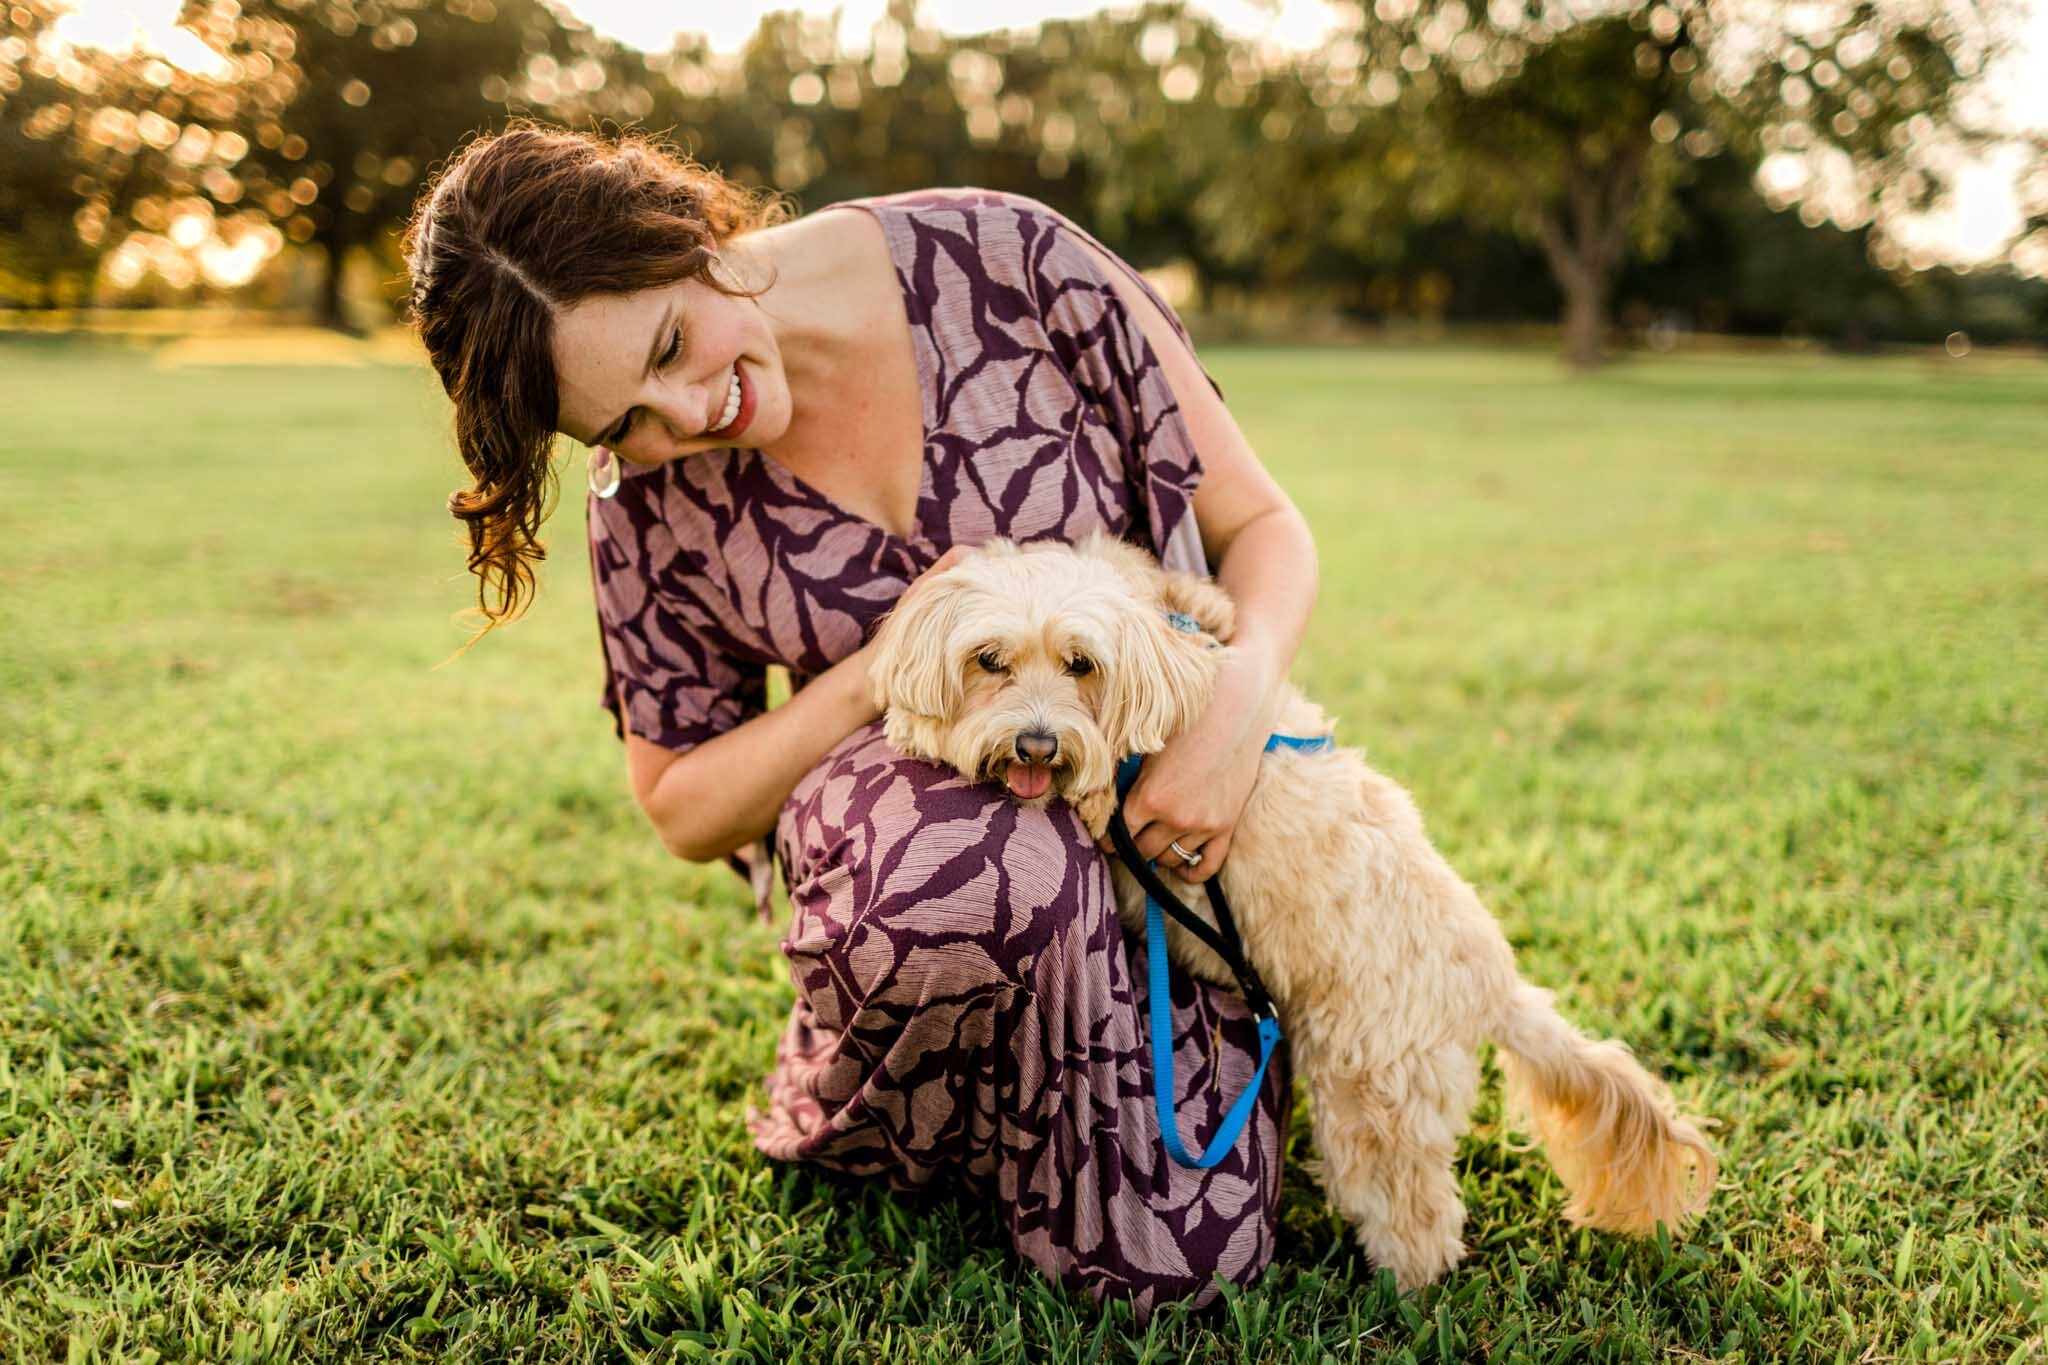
column 349, row 1008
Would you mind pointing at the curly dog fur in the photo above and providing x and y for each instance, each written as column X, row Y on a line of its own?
column 1387, row 970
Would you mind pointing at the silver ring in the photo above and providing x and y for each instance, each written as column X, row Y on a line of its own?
column 1189, row 858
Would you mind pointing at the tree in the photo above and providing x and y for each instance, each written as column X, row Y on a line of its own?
column 340, row 107
column 62, row 170
column 1573, row 121
column 797, row 111
column 1174, row 141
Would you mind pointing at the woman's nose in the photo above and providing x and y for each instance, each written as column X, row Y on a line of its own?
column 690, row 410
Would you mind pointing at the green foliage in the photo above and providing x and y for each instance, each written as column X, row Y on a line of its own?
column 350, row 1010
column 1323, row 180
column 337, row 111
column 52, row 216
column 1732, row 263
column 1526, row 87
column 1575, row 125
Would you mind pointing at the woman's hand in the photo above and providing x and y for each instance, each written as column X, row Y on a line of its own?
column 939, row 566
column 1194, row 790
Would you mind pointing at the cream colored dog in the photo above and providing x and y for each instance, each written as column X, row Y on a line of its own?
column 1041, row 666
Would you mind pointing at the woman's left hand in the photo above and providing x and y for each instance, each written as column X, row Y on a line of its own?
column 1195, row 788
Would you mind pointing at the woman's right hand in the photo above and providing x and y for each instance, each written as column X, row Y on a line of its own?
column 939, row 566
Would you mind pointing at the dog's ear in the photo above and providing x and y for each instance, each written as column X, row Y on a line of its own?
column 1185, row 594
column 1201, row 599
column 913, row 667
column 914, row 735
column 1158, row 683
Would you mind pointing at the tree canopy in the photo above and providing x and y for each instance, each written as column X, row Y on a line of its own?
column 1574, row 123
column 1542, row 151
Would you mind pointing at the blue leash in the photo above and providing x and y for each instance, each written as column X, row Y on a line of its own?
column 1224, row 940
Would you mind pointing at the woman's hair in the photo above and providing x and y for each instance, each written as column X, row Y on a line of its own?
column 514, row 228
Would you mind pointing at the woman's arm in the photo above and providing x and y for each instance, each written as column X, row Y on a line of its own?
column 1195, row 788
column 723, row 794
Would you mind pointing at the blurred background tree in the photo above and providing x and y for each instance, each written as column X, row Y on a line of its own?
column 38, row 246
column 1575, row 123
column 1687, row 164
column 338, row 108
column 79, row 136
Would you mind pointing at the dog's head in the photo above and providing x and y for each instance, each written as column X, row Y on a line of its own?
column 1040, row 666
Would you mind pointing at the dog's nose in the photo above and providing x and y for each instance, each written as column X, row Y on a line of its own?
column 1036, row 746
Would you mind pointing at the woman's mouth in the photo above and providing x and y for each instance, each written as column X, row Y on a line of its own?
column 738, row 409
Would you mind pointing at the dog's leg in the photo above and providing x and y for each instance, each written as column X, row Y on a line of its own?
column 1388, row 1140
column 1094, row 810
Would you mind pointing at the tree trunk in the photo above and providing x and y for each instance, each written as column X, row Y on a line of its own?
column 335, row 238
column 1585, row 319
column 331, row 314
column 1584, row 238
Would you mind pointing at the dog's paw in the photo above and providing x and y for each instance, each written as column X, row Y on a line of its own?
column 1419, row 1256
column 1094, row 809
column 1413, row 1268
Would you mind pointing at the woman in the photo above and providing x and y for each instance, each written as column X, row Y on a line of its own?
column 792, row 421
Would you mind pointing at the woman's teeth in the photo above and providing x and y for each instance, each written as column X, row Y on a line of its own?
column 732, row 401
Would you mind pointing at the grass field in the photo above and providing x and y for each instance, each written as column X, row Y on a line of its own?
column 350, row 1009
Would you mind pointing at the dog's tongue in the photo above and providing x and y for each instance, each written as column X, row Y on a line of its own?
column 1027, row 780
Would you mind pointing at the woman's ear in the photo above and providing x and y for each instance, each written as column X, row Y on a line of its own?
column 1158, row 683
column 913, row 668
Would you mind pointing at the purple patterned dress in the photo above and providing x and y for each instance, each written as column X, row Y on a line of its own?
column 966, row 1001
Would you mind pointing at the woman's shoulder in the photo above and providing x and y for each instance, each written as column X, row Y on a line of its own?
column 955, row 200
column 1013, row 238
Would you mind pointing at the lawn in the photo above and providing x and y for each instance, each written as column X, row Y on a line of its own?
column 349, row 1008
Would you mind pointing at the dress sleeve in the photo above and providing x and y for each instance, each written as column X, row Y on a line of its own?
column 662, row 646
column 1111, row 361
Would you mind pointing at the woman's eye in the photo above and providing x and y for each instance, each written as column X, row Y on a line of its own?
column 990, row 662
column 1080, row 668
column 675, row 347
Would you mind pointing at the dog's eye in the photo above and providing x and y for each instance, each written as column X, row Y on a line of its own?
column 990, row 662
column 1079, row 667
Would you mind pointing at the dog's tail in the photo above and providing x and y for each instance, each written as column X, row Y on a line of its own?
column 1609, row 1127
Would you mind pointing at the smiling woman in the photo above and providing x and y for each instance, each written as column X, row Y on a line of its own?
column 533, row 256
column 800, row 424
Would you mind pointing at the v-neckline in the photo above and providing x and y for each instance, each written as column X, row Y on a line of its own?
column 808, row 490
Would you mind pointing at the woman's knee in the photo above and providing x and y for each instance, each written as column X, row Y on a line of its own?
column 983, row 889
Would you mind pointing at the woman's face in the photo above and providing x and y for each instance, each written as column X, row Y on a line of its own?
column 650, row 374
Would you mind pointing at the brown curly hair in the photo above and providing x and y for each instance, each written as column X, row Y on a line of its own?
column 514, row 228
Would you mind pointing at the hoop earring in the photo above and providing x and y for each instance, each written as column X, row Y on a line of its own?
column 591, row 474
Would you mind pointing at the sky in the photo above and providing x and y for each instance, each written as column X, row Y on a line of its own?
column 1975, row 227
